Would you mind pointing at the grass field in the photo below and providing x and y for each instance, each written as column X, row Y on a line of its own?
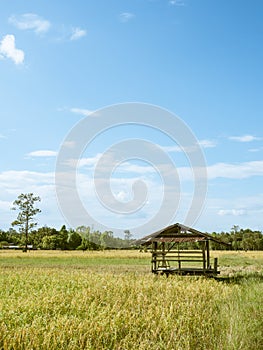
column 110, row 300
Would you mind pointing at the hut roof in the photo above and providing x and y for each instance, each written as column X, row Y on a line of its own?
column 178, row 233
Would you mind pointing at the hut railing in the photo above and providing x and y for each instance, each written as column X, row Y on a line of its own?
column 161, row 259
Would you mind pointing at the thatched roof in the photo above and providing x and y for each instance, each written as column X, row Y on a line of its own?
column 178, row 233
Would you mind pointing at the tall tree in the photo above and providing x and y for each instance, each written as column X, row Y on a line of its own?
column 127, row 236
column 25, row 203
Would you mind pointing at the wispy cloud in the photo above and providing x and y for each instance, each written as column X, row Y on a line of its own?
column 8, row 49
column 82, row 111
column 23, row 181
column 215, row 171
column 171, row 149
column 30, row 21
column 69, row 144
column 226, row 171
column 201, row 143
column 232, row 212
column 207, row 143
column 254, row 150
column 244, row 138
column 84, row 162
column 235, row 171
column 42, row 153
column 177, row 2
column 126, row 16
column 77, row 33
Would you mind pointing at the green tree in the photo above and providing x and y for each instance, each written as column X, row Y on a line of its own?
column 63, row 236
column 74, row 240
column 127, row 238
column 36, row 236
column 252, row 240
column 127, row 235
column 84, row 232
column 3, row 236
column 25, row 203
column 103, row 243
column 50, row 242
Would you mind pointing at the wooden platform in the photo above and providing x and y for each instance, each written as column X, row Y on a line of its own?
column 186, row 271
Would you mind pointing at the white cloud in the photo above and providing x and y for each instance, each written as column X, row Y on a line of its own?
column 244, row 138
column 126, row 16
column 255, row 149
column 30, row 21
column 82, row 111
column 172, row 148
column 177, row 2
column 130, row 168
column 42, row 153
column 235, row 171
column 201, row 143
column 8, row 49
column 83, row 162
column 68, row 144
column 221, row 212
column 207, row 143
column 217, row 170
column 122, row 196
column 232, row 212
column 24, row 181
column 126, row 169
column 77, row 33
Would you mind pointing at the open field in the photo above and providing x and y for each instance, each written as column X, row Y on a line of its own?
column 110, row 300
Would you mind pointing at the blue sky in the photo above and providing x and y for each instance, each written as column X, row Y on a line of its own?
column 199, row 59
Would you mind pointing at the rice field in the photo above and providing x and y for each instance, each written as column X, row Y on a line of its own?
column 110, row 300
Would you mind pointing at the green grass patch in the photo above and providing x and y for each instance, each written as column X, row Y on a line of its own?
column 73, row 259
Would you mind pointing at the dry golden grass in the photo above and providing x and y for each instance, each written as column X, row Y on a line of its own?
column 63, row 300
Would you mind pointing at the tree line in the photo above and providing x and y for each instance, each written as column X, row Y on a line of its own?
column 241, row 239
column 86, row 238
column 83, row 238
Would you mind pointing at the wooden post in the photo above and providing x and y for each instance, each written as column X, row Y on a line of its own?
column 207, row 255
column 204, row 262
column 163, row 255
column 178, row 256
column 154, row 256
column 215, row 265
column 204, row 259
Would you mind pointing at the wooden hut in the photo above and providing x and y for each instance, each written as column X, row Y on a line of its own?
column 171, row 256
